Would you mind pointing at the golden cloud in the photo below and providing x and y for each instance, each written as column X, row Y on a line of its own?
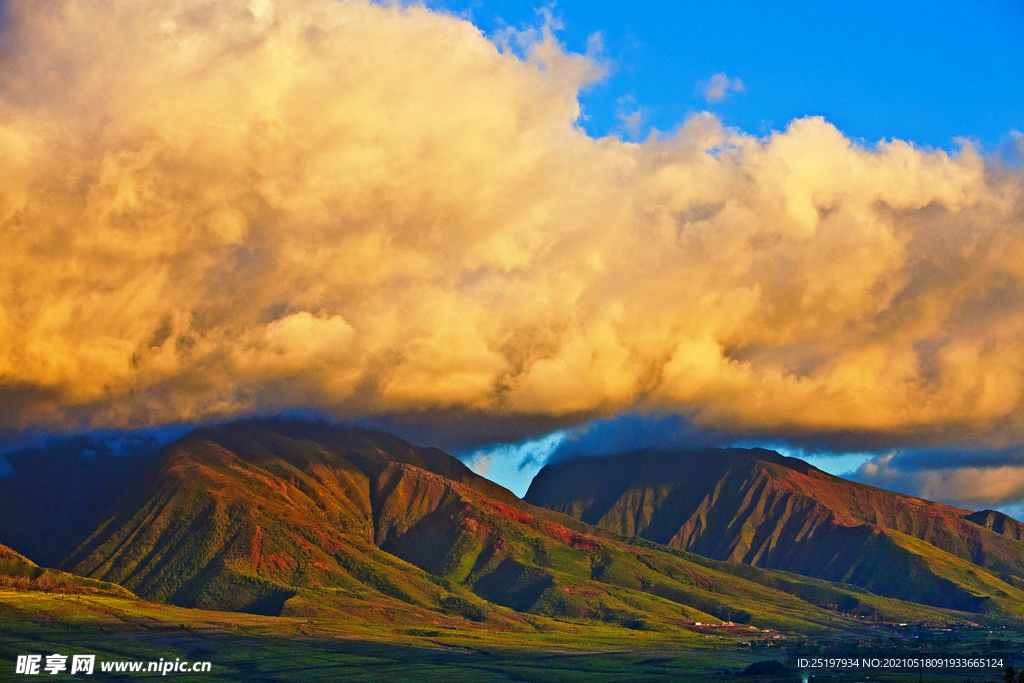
column 212, row 208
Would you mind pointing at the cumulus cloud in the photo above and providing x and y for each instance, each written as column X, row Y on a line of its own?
column 988, row 480
column 718, row 86
column 216, row 208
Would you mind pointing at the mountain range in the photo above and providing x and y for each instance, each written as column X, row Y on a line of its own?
column 308, row 519
column 760, row 508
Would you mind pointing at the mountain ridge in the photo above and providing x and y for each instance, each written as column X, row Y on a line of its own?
column 301, row 519
column 764, row 509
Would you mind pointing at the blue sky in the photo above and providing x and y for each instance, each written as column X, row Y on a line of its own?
column 515, row 465
column 928, row 72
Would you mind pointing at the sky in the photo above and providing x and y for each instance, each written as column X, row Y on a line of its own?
column 927, row 72
column 524, row 232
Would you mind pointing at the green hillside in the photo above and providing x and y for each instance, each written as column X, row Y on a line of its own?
column 19, row 573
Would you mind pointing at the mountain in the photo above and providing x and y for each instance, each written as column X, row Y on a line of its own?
column 998, row 522
column 56, row 494
column 14, row 564
column 317, row 520
column 243, row 517
column 20, row 573
column 760, row 508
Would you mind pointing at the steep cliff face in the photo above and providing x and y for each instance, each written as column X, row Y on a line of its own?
column 1000, row 523
column 760, row 508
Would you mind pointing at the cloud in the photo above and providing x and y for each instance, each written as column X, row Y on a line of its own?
column 970, row 480
column 717, row 88
column 633, row 432
column 631, row 116
column 513, row 465
column 214, row 209
column 527, row 455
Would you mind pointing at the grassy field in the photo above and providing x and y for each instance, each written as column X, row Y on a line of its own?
column 253, row 648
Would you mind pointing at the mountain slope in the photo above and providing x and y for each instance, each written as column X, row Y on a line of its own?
column 244, row 528
column 20, row 573
column 294, row 518
column 56, row 495
column 15, row 564
column 999, row 522
column 760, row 508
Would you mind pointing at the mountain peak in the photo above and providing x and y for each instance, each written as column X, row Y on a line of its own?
column 762, row 508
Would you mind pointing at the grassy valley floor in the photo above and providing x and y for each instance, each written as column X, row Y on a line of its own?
column 244, row 647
